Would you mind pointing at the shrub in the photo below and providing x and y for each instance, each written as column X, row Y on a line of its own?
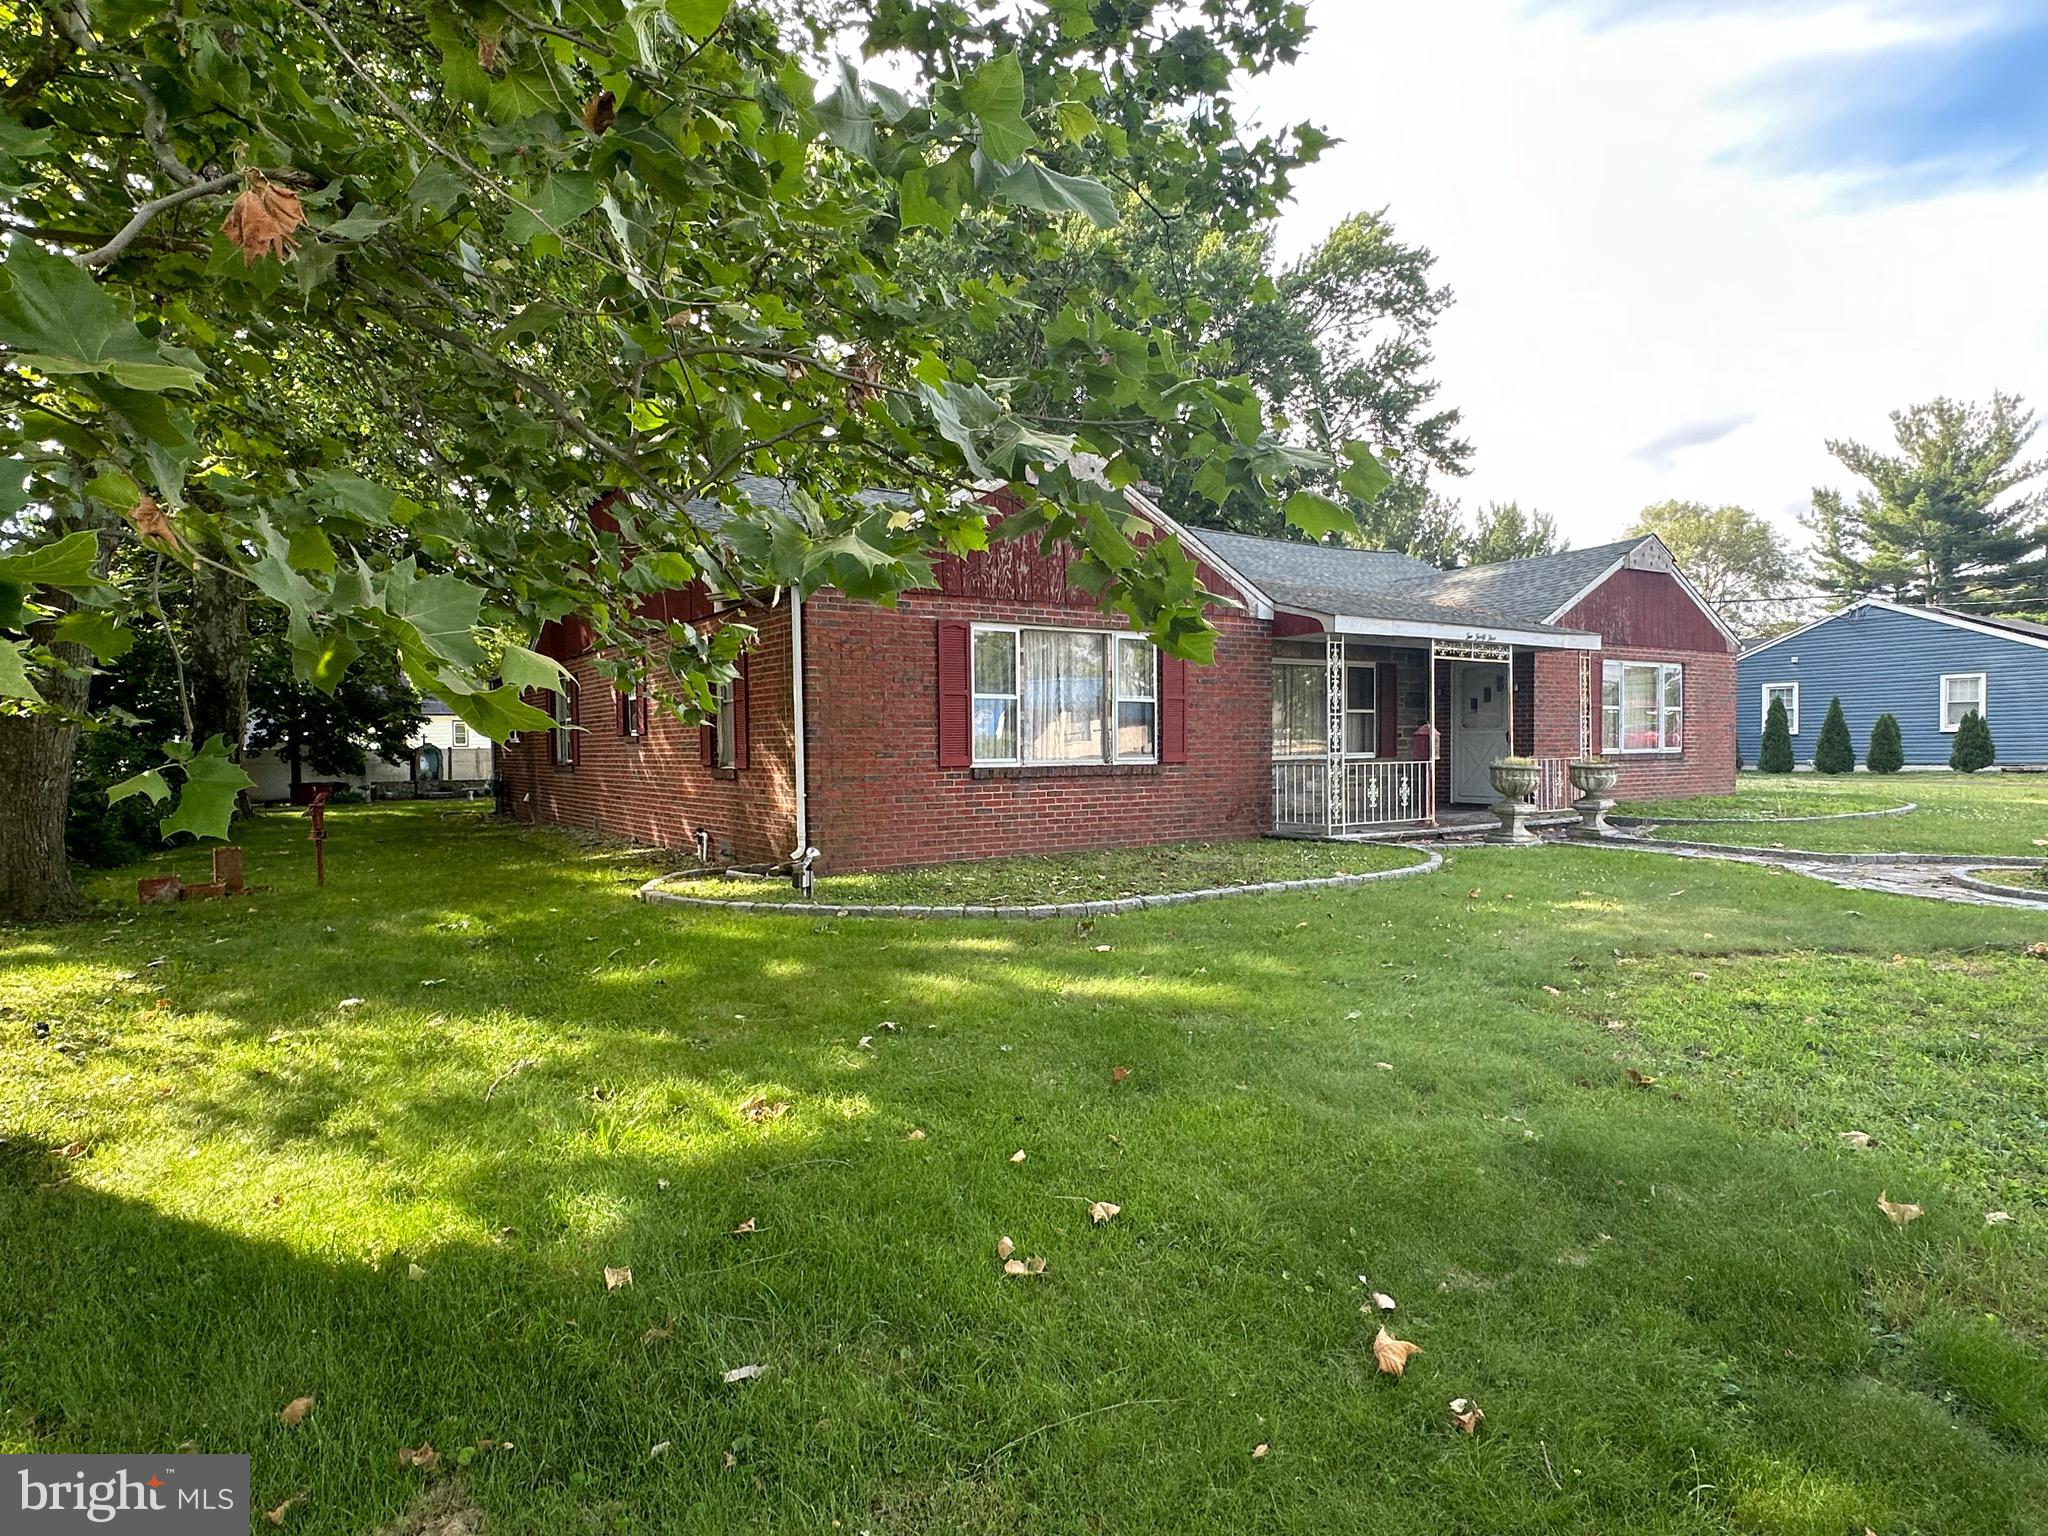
column 1834, row 752
column 1973, row 749
column 1776, row 756
column 1887, row 753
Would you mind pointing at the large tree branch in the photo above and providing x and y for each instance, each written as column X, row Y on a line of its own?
column 155, row 124
column 139, row 221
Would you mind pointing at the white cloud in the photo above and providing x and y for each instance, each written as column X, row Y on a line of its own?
column 1621, row 274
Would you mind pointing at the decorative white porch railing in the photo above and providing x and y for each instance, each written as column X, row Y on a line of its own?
column 1377, row 792
column 1554, row 790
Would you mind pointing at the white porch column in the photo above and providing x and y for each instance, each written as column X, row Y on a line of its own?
column 1333, row 737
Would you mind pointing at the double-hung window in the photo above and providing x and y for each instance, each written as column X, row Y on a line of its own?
column 458, row 734
column 1064, row 696
column 632, row 712
column 1301, row 709
column 725, row 750
column 1789, row 694
column 562, row 706
column 1642, row 706
column 1962, row 693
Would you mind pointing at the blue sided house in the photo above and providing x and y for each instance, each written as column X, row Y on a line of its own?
column 1928, row 666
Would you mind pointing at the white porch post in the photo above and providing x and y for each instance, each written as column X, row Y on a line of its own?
column 1333, row 735
column 1513, row 751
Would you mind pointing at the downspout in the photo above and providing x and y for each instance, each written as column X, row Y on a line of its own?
column 796, row 686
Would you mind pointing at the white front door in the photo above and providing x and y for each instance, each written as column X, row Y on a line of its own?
column 1479, row 728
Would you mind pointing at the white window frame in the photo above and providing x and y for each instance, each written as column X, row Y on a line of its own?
column 1119, row 696
column 725, row 734
column 1791, row 709
column 458, row 734
column 1321, row 665
column 561, row 745
column 1983, row 681
column 1112, row 694
column 1372, row 734
column 1662, row 669
column 632, row 710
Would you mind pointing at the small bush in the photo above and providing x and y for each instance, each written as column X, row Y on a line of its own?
column 1776, row 756
column 1887, row 753
column 1834, row 752
column 1973, row 749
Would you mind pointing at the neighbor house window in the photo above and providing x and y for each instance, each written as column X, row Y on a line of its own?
column 562, row 706
column 458, row 734
column 1789, row 692
column 1962, row 692
column 725, row 753
column 1064, row 696
column 1642, row 706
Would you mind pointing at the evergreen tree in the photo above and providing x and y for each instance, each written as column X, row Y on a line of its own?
column 1973, row 749
column 1776, row 756
column 1834, row 752
column 1887, row 753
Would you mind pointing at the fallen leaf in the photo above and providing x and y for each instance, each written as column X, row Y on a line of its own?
column 276, row 1516
column 888, row 1024
column 1639, row 1079
column 1858, row 1139
column 415, row 1272
column 350, row 1002
column 658, row 1448
column 1473, row 894
column 1014, row 1267
column 425, row 1457
column 1004, row 1247
column 744, row 1373
column 1259, row 1451
column 1383, row 1301
column 1898, row 1214
column 295, row 1411
column 915, row 1135
column 1384, row 1066
column 1017, row 1156
column 1699, row 975
column 1392, row 1353
column 744, row 1228
column 71, row 1150
column 614, row 1279
column 731, row 1461
column 1553, row 991
column 866, row 1042
column 758, row 1108
column 1118, row 1074
column 1102, row 1211
column 1997, row 1218
column 600, row 112
column 1102, row 949
column 660, row 1333
column 1353, row 1014
column 1466, row 1414
column 1034, row 1265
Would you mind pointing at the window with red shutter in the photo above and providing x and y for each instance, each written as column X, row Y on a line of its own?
column 956, row 748
column 1173, row 709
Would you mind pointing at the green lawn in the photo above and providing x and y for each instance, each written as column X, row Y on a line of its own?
column 1676, row 1303
column 1992, row 813
column 1079, row 877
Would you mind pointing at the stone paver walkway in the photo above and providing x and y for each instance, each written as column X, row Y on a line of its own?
column 1888, row 873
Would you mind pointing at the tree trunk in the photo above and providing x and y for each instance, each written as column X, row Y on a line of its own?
column 36, row 756
column 217, row 629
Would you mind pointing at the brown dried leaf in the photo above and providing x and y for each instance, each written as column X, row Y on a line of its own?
column 1898, row 1213
column 425, row 1457
column 1102, row 1211
column 615, row 1279
column 1034, row 1266
column 1014, row 1267
column 1466, row 1414
column 152, row 523
column 1857, row 1139
column 487, row 51
column 1259, row 1451
column 295, row 1411
column 759, row 1108
column 915, row 1135
column 1997, row 1218
column 276, row 1516
column 1004, row 1247
column 1639, row 1079
column 1381, row 1300
column 1392, row 1353
column 744, row 1373
column 744, row 1228
column 71, row 1150
column 1118, row 1074
column 1553, row 991
column 262, row 219
column 1017, row 1156
column 600, row 112
column 660, row 1333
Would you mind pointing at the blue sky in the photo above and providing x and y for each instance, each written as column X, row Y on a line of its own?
column 1692, row 239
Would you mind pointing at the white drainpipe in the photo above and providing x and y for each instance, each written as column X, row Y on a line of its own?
column 796, row 684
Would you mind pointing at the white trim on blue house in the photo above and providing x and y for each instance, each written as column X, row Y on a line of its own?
column 1983, row 680
column 1954, row 621
column 1792, row 714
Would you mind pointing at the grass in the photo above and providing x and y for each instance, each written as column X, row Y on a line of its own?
column 2018, row 879
column 2001, row 814
column 1073, row 878
column 1676, row 1303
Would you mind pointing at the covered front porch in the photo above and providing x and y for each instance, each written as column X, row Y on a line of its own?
column 1377, row 731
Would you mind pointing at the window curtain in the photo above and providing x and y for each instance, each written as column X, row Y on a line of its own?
column 1062, row 708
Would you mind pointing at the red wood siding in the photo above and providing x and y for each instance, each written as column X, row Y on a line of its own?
column 1646, row 609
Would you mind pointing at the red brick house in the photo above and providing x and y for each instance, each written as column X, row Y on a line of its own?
column 1003, row 712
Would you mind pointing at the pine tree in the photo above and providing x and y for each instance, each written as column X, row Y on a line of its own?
column 1887, row 753
column 1834, row 752
column 1776, row 756
column 1973, row 749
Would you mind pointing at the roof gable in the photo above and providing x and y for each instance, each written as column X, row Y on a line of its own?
column 2013, row 631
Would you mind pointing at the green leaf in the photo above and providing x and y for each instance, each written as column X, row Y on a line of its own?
column 497, row 712
column 15, row 475
column 322, row 660
column 994, row 97
column 98, row 631
column 698, row 18
column 918, row 207
column 1318, row 515
column 206, row 800
column 563, row 199
column 1032, row 185
column 67, row 564
column 116, row 489
column 363, row 221
column 149, row 782
column 274, row 577
column 1366, row 476
column 440, row 610
column 14, row 683
column 1077, row 123
column 61, row 322
column 523, row 669
column 845, row 116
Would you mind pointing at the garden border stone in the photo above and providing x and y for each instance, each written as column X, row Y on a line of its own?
column 1818, row 856
column 1992, row 887
column 1432, row 860
column 1756, row 821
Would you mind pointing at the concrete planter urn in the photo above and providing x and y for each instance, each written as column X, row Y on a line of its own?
column 1515, row 780
column 1594, row 779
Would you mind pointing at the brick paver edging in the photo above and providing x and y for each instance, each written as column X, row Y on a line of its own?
column 652, row 892
column 1753, row 821
column 1815, row 856
column 1992, row 887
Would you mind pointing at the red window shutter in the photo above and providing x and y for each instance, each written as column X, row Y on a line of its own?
column 956, row 694
column 1386, row 699
column 707, row 743
column 739, row 715
column 1173, row 709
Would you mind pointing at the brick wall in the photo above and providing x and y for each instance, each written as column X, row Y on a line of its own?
column 880, row 800
column 657, row 790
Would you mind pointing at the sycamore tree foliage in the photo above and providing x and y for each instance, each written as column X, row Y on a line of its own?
column 556, row 247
